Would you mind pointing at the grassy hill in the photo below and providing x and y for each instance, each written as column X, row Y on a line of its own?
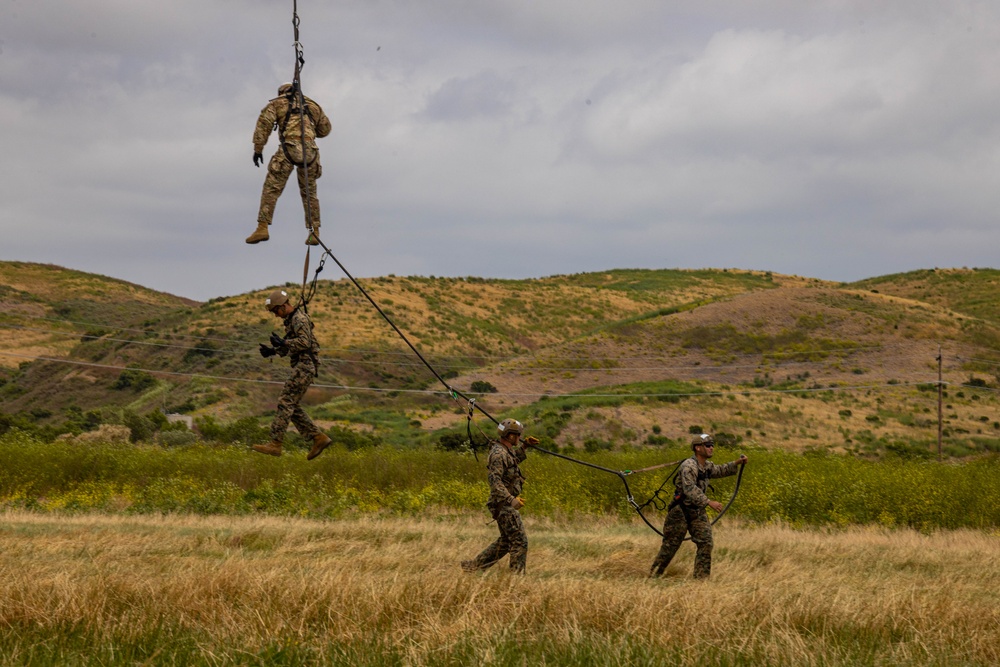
column 768, row 359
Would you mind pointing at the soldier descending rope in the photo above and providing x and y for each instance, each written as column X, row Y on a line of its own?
column 299, row 121
column 300, row 345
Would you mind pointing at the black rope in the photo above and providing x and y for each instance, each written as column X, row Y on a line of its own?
column 621, row 474
column 300, row 62
column 455, row 393
column 654, row 499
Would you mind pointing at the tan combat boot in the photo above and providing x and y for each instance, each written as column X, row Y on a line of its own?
column 320, row 442
column 313, row 238
column 259, row 234
column 273, row 448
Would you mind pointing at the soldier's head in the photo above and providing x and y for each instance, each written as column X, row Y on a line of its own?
column 277, row 302
column 286, row 88
column 703, row 444
column 510, row 430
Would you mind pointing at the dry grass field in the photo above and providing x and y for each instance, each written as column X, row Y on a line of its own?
column 110, row 590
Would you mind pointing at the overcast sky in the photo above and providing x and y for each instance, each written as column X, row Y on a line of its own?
column 504, row 138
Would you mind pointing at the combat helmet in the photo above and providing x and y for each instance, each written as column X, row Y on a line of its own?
column 702, row 439
column 510, row 426
column 276, row 298
column 286, row 88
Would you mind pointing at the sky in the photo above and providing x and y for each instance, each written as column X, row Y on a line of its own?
column 504, row 138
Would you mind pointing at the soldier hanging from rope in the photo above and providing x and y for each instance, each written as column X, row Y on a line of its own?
column 300, row 346
column 299, row 121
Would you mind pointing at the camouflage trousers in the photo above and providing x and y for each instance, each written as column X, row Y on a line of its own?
column 678, row 522
column 278, row 171
column 512, row 540
column 288, row 410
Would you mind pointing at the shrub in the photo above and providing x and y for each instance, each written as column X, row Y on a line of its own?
column 353, row 440
column 452, row 442
column 141, row 428
column 482, row 387
column 133, row 379
column 176, row 438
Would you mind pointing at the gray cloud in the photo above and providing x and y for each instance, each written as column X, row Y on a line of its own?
column 831, row 139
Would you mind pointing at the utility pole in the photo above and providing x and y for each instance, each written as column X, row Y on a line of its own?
column 940, row 396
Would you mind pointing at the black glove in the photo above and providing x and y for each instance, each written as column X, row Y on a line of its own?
column 277, row 341
column 266, row 351
column 257, row 159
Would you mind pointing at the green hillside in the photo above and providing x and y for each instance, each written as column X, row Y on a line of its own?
column 769, row 360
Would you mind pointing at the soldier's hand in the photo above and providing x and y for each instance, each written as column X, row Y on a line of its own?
column 266, row 351
column 742, row 460
column 715, row 504
column 517, row 503
column 257, row 159
column 277, row 342
column 531, row 440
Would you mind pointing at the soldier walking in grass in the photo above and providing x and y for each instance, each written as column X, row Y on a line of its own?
column 505, row 501
column 687, row 510
column 297, row 148
column 300, row 345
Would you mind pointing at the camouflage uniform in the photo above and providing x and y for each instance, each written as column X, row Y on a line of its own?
column 505, row 480
column 282, row 114
column 303, row 350
column 687, row 514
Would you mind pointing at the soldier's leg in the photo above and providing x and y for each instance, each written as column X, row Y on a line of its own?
column 309, row 192
column 701, row 535
column 303, row 376
column 674, row 528
column 278, row 171
column 291, row 394
column 491, row 554
column 512, row 527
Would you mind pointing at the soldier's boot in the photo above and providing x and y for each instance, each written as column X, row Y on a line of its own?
column 320, row 442
column 469, row 566
column 313, row 238
column 259, row 234
column 273, row 448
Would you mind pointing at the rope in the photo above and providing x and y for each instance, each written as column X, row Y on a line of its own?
column 622, row 474
column 300, row 62
column 455, row 393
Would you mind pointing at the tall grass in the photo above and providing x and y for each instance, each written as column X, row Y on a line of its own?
column 112, row 590
column 778, row 487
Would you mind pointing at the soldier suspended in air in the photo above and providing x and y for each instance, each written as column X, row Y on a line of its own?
column 300, row 345
column 299, row 121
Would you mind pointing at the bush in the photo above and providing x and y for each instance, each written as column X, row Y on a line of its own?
column 176, row 438
column 245, row 431
column 593, row 445
column 353, row 440
column 482, row 387
column 142, row 428
column 452, row 442
column 133, row 379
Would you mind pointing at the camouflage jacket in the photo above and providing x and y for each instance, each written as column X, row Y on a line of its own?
column 299, row 339
column 692, row 479
column 504, row 476
column 274, row 115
